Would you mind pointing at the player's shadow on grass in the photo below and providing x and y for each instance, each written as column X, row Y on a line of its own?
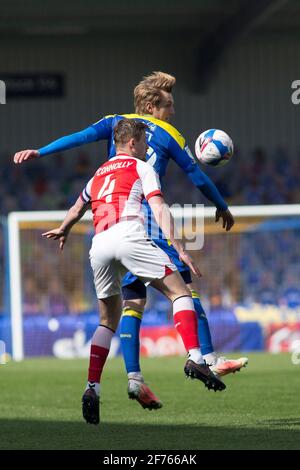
column 30, row 434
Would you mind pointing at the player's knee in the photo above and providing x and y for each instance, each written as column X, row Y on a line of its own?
column 139, row 304
column 172, row 286
column 134, row 309
column 197, row 303
column 110, row 311
column 178, row 295
column 193, row 293
column 134, row 299
column 111, row 323
column 179, row 291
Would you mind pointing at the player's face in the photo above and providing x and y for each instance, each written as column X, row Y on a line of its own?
column 165, row 111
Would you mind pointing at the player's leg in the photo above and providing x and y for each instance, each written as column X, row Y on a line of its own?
column 134, row 300
column 110, row 311
column 219, row 365
column 106, row 271
column 207, row 348
column 134, row 296
column 185, row 320
column 148, row 262
column 205, row 339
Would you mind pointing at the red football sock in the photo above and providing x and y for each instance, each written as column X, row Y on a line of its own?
column 185, row 320
column 99, row 351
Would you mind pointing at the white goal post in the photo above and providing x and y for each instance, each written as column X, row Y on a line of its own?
column 14, row 246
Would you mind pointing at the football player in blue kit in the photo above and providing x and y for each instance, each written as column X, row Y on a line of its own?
column 154, row 105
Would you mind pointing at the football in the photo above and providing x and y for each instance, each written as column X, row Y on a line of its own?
column 214, row 147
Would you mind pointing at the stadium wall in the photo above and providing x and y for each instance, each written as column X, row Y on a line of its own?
column 250, row 96
column 53, row 308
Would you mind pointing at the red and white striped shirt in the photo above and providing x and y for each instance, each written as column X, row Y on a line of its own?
column 117, row 189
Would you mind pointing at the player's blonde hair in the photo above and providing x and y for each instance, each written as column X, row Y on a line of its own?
column 149, row 90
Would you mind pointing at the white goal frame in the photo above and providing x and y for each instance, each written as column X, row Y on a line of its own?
column 14, row 249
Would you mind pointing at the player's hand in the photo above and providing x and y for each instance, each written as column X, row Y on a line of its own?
column 57, row 234
column 186, row 259
column 228, row 220
column 25, row 155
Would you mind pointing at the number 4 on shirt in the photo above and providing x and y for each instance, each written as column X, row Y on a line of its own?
column 107, row 188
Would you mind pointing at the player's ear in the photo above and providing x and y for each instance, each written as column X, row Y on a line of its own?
column 149, row 107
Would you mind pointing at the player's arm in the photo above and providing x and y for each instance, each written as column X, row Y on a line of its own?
column 98, row 131
column 161, row 211
column 165, row 220
column 184, row 158
column 74, row 214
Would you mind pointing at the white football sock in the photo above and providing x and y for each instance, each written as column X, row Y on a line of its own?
column 135, row 376
column 210, row 358
column 196, row 356
column 93, row 385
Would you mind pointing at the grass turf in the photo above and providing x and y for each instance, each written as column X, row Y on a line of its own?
column 40, row 407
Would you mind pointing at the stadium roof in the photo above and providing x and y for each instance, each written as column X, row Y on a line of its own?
column 96, row 16
column 208, row 27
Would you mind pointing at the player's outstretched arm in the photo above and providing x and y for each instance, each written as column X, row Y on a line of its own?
column 185, row 160
column 74, row 214
column 164, row 218
column 98, row 131
column 64, row 143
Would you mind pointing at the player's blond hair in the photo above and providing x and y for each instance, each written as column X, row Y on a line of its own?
column 149, row 90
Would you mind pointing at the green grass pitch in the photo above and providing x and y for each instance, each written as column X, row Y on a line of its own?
column 40, row 407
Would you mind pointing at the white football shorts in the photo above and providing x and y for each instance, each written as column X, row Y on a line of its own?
column 126, row 247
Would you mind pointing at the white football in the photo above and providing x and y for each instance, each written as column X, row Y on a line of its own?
column 214, row 147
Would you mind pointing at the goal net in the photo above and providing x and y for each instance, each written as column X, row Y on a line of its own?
column 250, row 286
